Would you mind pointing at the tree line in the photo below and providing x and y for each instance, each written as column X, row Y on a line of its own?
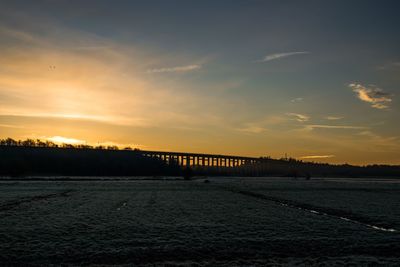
column 44, row 158
column 37, row 157
column 40, row 143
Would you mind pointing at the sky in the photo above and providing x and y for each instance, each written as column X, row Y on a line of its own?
column 315, row 80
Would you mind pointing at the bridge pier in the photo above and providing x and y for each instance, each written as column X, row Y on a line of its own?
column 207, row 160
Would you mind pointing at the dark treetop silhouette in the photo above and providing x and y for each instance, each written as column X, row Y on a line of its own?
column 36, row 157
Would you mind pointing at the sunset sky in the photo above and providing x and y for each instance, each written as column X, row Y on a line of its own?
column 318, row 80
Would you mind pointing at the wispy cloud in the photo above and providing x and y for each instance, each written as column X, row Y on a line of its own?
column 323, row 126
column 281, row 55
column 299, row 117
column 317, row 157
column 295, row 100
column 380, row 142
column 112, row 120
column 373, row 95
column 390, row 66
column 175, row 69
column 20, row 35
column 377, row 137
column 253, row 129
column 333, row 118
column 11, row 126
column 70, row 91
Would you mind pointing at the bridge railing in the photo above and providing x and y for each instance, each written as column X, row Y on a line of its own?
column 201, row 160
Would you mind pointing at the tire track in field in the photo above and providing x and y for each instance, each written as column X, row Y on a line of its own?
column 13, row 204
column 317, row 210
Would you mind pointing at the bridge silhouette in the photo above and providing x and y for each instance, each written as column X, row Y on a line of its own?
column 202, row 160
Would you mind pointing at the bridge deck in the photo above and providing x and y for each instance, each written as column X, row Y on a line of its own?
column 198, row 159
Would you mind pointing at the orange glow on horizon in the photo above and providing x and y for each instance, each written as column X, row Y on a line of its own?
column 111, row 93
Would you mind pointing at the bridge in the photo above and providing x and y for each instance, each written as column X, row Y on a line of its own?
column 201, row 160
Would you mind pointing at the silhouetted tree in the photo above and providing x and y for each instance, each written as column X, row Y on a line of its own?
column 110, row 160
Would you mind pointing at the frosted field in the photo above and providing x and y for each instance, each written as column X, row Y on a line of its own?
column 228, row 221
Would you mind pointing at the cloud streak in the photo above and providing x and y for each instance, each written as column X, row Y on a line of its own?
column 333, row 118
column 390, row 66
column 175, row 69
column 253, row 129
column 123, row 96
column 295, row 100
column 323, row 126
column 373, row 95
column 299, row 117
column 276, row 56
column 318, row 157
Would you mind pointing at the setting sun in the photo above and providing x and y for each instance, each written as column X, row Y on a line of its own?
column 64, row 140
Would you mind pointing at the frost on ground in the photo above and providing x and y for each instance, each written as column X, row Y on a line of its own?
column 231, row 222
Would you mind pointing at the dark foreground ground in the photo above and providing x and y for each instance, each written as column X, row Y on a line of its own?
column 227, row 221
